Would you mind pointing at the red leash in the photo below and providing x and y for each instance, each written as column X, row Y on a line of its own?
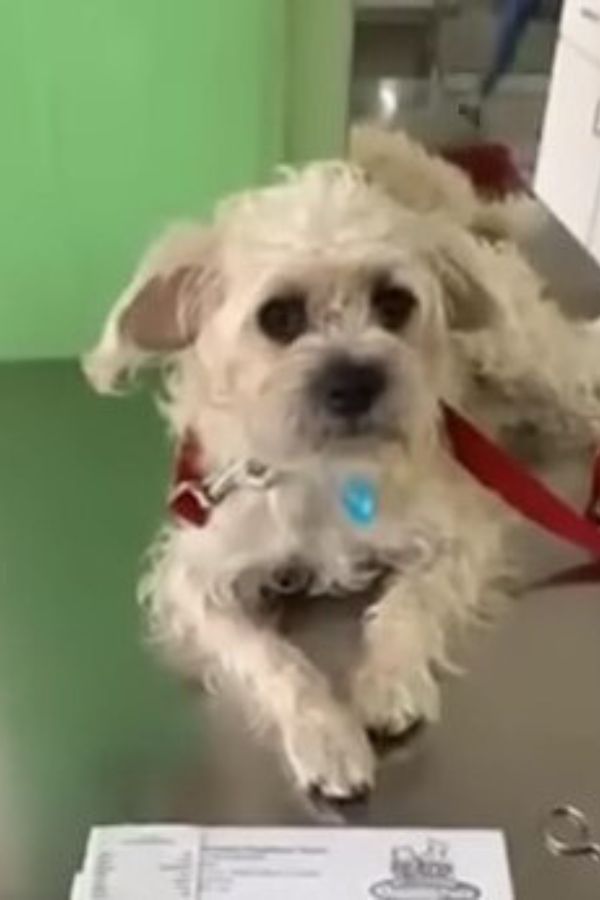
column 520, row 489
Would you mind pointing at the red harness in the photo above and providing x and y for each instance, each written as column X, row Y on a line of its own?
column 192, row 498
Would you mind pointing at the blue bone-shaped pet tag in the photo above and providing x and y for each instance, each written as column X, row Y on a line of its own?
column 360, row 500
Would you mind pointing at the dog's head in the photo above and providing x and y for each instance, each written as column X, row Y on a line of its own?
column 312, row 315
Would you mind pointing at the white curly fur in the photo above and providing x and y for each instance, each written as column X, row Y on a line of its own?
column 427, row 183
column 329, row 233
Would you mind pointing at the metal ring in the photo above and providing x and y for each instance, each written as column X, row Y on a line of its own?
column 581, row 842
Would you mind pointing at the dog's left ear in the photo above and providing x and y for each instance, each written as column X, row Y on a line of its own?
column 161, row 310
column 468, row 271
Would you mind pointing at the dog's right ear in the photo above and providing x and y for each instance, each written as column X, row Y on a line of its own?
column 161, row 310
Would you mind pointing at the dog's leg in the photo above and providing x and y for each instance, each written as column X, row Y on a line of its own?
column 405, row 639
column 325, row 745
column 394, row 686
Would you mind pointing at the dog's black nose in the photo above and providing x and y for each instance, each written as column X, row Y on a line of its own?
column 349, row 388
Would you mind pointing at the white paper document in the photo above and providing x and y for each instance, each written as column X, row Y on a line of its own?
column 186, row 863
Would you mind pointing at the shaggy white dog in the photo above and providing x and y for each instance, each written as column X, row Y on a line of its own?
column 309, row 335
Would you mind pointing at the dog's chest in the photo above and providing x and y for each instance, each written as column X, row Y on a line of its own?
column 297, row 539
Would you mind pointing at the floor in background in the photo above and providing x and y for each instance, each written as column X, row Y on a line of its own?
column 513, row 116
column 393, row 66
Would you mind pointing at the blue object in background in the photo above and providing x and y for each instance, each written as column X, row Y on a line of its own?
column 515, row 16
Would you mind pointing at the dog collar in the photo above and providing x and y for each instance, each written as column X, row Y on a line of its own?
column 195, row 493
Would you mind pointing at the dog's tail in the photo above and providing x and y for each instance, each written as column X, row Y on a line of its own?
column 517, row 217
column 411, row 175
column 426, row 182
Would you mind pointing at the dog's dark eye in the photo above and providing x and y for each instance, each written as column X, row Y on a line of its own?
column 392, row 305
column 284, row 318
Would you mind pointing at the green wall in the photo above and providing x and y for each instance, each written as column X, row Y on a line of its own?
column 319, row 40
column 121, row 115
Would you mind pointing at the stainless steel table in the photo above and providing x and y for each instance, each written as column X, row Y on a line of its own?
column 92, row 731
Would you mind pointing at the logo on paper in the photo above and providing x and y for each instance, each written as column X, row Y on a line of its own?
column 429, row 875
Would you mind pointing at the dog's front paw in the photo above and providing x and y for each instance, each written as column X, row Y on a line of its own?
column 390, row 700
column 329, row 753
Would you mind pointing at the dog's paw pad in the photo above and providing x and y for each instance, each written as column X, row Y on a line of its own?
column 360, row 794
column 330, row 755
column 387, row 741
column 392, row 705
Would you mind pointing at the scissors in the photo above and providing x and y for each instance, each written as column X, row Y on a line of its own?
column 568, row 833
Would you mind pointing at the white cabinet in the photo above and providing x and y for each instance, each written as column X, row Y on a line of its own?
column 581, row 25
column 594, row 241
column 568, row 173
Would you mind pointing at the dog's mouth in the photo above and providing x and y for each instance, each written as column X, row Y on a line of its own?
column 358, row 432
column 364, row 427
